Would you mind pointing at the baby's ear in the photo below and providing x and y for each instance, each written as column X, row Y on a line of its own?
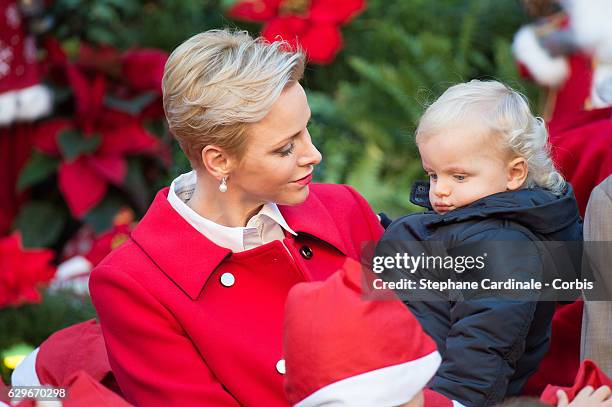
column 517, row 173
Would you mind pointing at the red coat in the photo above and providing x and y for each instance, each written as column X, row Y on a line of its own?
column 582, row 150
column 176, row 336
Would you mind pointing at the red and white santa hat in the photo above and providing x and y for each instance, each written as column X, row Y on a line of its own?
column 341, row 349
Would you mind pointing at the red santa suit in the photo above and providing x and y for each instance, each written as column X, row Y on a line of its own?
column 22, row 99
column 580, row 123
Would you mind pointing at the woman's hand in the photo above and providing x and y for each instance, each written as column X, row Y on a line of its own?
column 587, row 397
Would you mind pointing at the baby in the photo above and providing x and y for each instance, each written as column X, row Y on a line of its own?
column 491, row 180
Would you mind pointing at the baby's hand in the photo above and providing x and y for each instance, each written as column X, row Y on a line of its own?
column 587, row 397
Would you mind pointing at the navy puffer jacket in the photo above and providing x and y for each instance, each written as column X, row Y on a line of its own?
column 489, row 346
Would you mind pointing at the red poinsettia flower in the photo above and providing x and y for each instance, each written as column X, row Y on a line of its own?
column 22, row 271
column 135, row 73
column 312, row 24
column 95, row 246
column 107, row 242
column 143, row 69
column 102, row 138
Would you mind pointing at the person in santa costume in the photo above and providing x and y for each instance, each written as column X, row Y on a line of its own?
column 22, row 99
column 346, row 345
column 570, row 55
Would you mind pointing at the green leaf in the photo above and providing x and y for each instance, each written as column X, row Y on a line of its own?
column 33, row 323
column 101, row 35
column 101, row 217
column 226, row 4
column 103, row 12
column 136, row 185
column 321, row 104
column 38, row 168
column 40, row 223
column 132, row 106
column 71, row 46
column 72, row 144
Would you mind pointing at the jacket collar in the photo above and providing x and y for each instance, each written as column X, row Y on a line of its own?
column 536, row 208
column 233, row 238
column 313, row 219
column 419, row 194
column 188, row 258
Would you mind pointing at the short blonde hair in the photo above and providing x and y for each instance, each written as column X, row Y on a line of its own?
column 217, row 82
column 506, row 113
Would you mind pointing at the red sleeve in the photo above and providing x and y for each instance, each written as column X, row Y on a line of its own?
column 154, row 363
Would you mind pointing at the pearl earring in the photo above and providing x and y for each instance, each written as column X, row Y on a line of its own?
column 223, row 185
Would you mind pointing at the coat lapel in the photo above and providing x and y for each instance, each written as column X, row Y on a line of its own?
column 188, row 258
column 180, row 251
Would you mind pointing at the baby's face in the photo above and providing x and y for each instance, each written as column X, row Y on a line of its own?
column 463, row 166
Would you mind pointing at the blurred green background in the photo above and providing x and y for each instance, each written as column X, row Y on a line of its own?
column 398, row 57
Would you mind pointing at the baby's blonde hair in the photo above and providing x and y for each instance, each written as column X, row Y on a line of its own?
column 219, row 81
column 506, row 113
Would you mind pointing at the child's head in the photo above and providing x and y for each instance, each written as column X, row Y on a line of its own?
column 480, row 138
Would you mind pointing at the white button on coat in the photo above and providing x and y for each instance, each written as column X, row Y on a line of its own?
column 280, row 366
column 228, row 279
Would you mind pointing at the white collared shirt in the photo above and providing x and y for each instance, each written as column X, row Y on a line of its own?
column 264, row 227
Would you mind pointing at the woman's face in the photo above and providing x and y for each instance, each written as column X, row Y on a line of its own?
column 279, row 159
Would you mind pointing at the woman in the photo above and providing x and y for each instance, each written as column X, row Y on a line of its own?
column 191, row 307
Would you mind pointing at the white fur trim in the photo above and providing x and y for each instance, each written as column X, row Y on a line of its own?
column 457, row 404
column 8, row 107
column 73, row 267
column 33, row 102
column 24, row 104
column 25, row 372
column 389, row 386
column 73, row 274
column 545, row 69
column 601, row 91
column 590, row 22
